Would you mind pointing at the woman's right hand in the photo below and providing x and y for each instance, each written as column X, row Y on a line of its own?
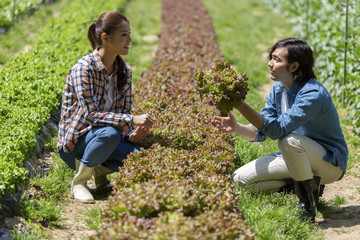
column 143, row 120
column 225, row 124
column 139, row 134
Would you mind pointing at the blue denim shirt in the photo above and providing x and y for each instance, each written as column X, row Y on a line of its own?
column 311, row 113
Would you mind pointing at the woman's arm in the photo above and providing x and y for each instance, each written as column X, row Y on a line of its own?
column 230, row 125
column 251, row 115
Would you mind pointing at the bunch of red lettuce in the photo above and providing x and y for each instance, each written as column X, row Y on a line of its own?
column 222, row 86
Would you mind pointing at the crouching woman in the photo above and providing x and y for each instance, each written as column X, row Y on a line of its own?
column 96, row 129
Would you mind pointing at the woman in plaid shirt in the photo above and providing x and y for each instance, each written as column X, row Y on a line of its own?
column 96, row 129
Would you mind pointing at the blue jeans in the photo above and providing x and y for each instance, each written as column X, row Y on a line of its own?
column 100, row 146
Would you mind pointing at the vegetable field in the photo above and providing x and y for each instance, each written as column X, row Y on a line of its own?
column 31, row 87
column 179, row 186
column 180, row 148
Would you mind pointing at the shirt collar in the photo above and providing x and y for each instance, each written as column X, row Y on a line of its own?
column 99, row 65
column 295, row 88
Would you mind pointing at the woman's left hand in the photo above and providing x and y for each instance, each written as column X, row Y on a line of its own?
column 139, row 134
column 226, row 124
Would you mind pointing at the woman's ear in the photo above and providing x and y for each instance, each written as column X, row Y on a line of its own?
column 105, row 38
column 294, row 66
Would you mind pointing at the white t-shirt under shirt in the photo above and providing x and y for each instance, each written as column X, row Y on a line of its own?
column 284, row 101
column 110, row 98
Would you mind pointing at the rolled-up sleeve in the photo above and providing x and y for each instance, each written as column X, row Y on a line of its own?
column 260, row 136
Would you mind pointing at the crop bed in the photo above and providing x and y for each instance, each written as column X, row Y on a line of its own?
column 31, row 86
column 11, row 10
column 179, row 186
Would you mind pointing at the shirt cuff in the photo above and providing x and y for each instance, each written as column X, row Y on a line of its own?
column 260, row 136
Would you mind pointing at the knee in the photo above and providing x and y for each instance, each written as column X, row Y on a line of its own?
column 290, row 141
column 110, row 135
column 239, row 177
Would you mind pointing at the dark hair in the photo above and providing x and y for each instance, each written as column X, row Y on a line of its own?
column 298, row 51
column 108, row 23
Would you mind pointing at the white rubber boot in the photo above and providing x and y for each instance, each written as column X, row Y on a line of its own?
column 79, row 189
column 100, row 173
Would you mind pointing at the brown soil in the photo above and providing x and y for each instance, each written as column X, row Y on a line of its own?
column 343, row 221
column 73, row 226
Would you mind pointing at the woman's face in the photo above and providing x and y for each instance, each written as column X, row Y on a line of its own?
column 119, row 41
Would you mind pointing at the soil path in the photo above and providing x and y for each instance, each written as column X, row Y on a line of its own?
column 342, row 222
column 74, row 218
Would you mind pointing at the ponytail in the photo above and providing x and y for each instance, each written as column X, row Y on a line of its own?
column 107, row 23
column 92, row 36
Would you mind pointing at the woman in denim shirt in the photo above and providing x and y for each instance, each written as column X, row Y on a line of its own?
column 300, row 114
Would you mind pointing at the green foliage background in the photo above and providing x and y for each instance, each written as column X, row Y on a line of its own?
column 323, row 24
column 9, row 12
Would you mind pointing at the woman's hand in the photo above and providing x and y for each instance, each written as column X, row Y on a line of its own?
column 225, row 124
column 139, row 134
column 143, row 120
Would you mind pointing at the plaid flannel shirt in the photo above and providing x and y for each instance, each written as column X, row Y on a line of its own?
column 84, row 97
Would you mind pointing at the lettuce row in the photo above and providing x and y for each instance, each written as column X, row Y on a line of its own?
column 31, row 85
